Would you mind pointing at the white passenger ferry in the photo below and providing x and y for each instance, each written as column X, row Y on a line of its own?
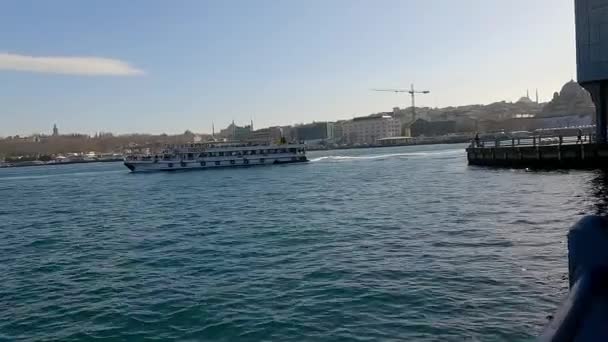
column 214, row 155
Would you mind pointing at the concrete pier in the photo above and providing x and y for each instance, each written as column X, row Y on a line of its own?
column 571, row 156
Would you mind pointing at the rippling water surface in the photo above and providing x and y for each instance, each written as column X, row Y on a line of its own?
column 377, row 244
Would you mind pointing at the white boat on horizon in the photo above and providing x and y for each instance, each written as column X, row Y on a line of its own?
column 216, row 154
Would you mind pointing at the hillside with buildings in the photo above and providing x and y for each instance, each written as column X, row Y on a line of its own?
column 570, row 107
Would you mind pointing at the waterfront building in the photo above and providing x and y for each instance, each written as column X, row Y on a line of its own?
column 368, row 129
column 315, row 132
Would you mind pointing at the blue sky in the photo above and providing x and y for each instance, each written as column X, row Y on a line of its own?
column 167, row 66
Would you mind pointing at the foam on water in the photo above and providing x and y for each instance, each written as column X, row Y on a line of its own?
column 389, row 155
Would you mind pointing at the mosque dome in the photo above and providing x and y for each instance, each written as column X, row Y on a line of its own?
column 571, row 89
column 524, row 99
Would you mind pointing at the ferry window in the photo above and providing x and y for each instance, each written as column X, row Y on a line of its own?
column 221, row 154
column 202, row 163
column 170, row 165
column 232, row 162
column 292, row 150
column 261, row 160
column 252, row 152
column 217, row 163
column 190, row 156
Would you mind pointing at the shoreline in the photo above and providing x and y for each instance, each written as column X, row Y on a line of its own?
column 337, row 148
column 33, row 163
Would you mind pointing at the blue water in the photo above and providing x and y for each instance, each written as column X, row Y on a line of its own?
column 374, row 244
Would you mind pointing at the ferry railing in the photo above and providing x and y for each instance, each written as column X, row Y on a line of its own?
column 535, row 140
column 582, row 315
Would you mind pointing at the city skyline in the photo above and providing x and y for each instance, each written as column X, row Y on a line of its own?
column 54, row 130
column 276, row 63
column 215, row 128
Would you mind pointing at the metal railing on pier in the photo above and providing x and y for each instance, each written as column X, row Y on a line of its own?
column 535, row 140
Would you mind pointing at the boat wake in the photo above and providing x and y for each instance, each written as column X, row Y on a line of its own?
column 388, row 156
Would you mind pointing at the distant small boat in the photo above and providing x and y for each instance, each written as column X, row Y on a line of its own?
column 214, row 155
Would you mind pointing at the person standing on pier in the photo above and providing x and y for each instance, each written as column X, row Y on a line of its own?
column 579, row 137
column 476, row 139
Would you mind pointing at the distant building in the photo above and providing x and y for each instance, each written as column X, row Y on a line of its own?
column 425, row 128
column 315, row 132
column 368, row 129
column 234, row 132
column 393, row 141
column 55, row 130
column 339, row 131
column 525, row 100
column 260, row 136
column 266, row 135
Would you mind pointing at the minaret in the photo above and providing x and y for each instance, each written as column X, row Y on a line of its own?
column 528, row 93
column 536, row 95
column 55, row 130
column 212, row 129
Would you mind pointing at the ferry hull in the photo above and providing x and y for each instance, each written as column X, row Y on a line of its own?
column 152, row 166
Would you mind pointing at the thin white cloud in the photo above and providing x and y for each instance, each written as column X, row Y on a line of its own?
column 89, row 66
